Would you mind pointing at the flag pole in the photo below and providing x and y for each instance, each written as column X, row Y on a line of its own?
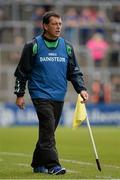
column 93, row 143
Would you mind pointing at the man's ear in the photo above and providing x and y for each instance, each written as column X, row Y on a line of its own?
column 45, row 26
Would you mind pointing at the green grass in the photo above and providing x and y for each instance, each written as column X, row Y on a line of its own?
column 75, row 152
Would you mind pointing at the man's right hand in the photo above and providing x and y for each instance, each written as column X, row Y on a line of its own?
column 20, row 102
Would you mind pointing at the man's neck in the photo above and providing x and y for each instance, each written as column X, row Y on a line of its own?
column 49, row 39
column 50, row 43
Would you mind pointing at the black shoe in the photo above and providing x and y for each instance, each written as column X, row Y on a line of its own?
column 57, row 170
column 40, row 169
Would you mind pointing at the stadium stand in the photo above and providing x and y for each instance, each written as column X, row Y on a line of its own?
column 20, row 21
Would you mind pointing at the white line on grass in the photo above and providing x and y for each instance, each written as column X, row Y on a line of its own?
column 77, row 162
column 15, row 154
column 88, row 164
column 68, row 170
column 104, row 177
column 22, row 164
column 27, row 165
column 64, row 160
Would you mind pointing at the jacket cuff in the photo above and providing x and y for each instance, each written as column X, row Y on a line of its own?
column 19, row 94
column 82, row 89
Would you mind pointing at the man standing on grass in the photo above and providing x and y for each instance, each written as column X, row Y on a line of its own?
column 47, row 62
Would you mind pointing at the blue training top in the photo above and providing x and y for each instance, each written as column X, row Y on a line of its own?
column 48, row 77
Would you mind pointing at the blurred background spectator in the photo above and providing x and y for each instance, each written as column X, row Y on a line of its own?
column 100, row 91
column 87, row 17
column 2, row 19
column 115, row 81
column 37, row 19
column 116, row 15
column 71, row 23
column 97, row 47
column 114, row 60
column 2, row 14
column 101, row 19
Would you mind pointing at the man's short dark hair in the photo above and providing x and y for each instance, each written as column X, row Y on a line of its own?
column 47, row 15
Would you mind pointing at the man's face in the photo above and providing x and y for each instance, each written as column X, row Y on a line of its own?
column 53, row 28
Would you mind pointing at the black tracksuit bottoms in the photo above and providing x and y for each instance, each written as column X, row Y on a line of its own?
column 48, row 112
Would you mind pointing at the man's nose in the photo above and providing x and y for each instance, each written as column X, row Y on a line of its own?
column 59, row 26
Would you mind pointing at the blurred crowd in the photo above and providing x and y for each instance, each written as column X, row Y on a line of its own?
column 84, row 26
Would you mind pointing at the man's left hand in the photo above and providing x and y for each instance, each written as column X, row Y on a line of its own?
column 84, row 96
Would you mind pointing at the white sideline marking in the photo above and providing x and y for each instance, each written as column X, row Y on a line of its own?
column 15, row 154
column 89, row 164
column 105, row 177
column 64, row 160
column 22, row 164
column 77, row 162
column 27, row 165
column 68, row 170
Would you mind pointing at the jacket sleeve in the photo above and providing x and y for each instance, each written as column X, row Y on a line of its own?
column 74, row 73
column 23, row 69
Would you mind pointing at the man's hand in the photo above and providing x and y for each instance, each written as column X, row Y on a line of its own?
column 84, row 95
column 20, row 102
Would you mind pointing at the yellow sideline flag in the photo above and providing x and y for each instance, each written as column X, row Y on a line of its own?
column 80, row 112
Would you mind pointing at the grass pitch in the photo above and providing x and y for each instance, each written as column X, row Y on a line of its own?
column 75, row 152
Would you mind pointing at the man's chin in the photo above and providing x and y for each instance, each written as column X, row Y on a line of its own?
column 57, row 35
